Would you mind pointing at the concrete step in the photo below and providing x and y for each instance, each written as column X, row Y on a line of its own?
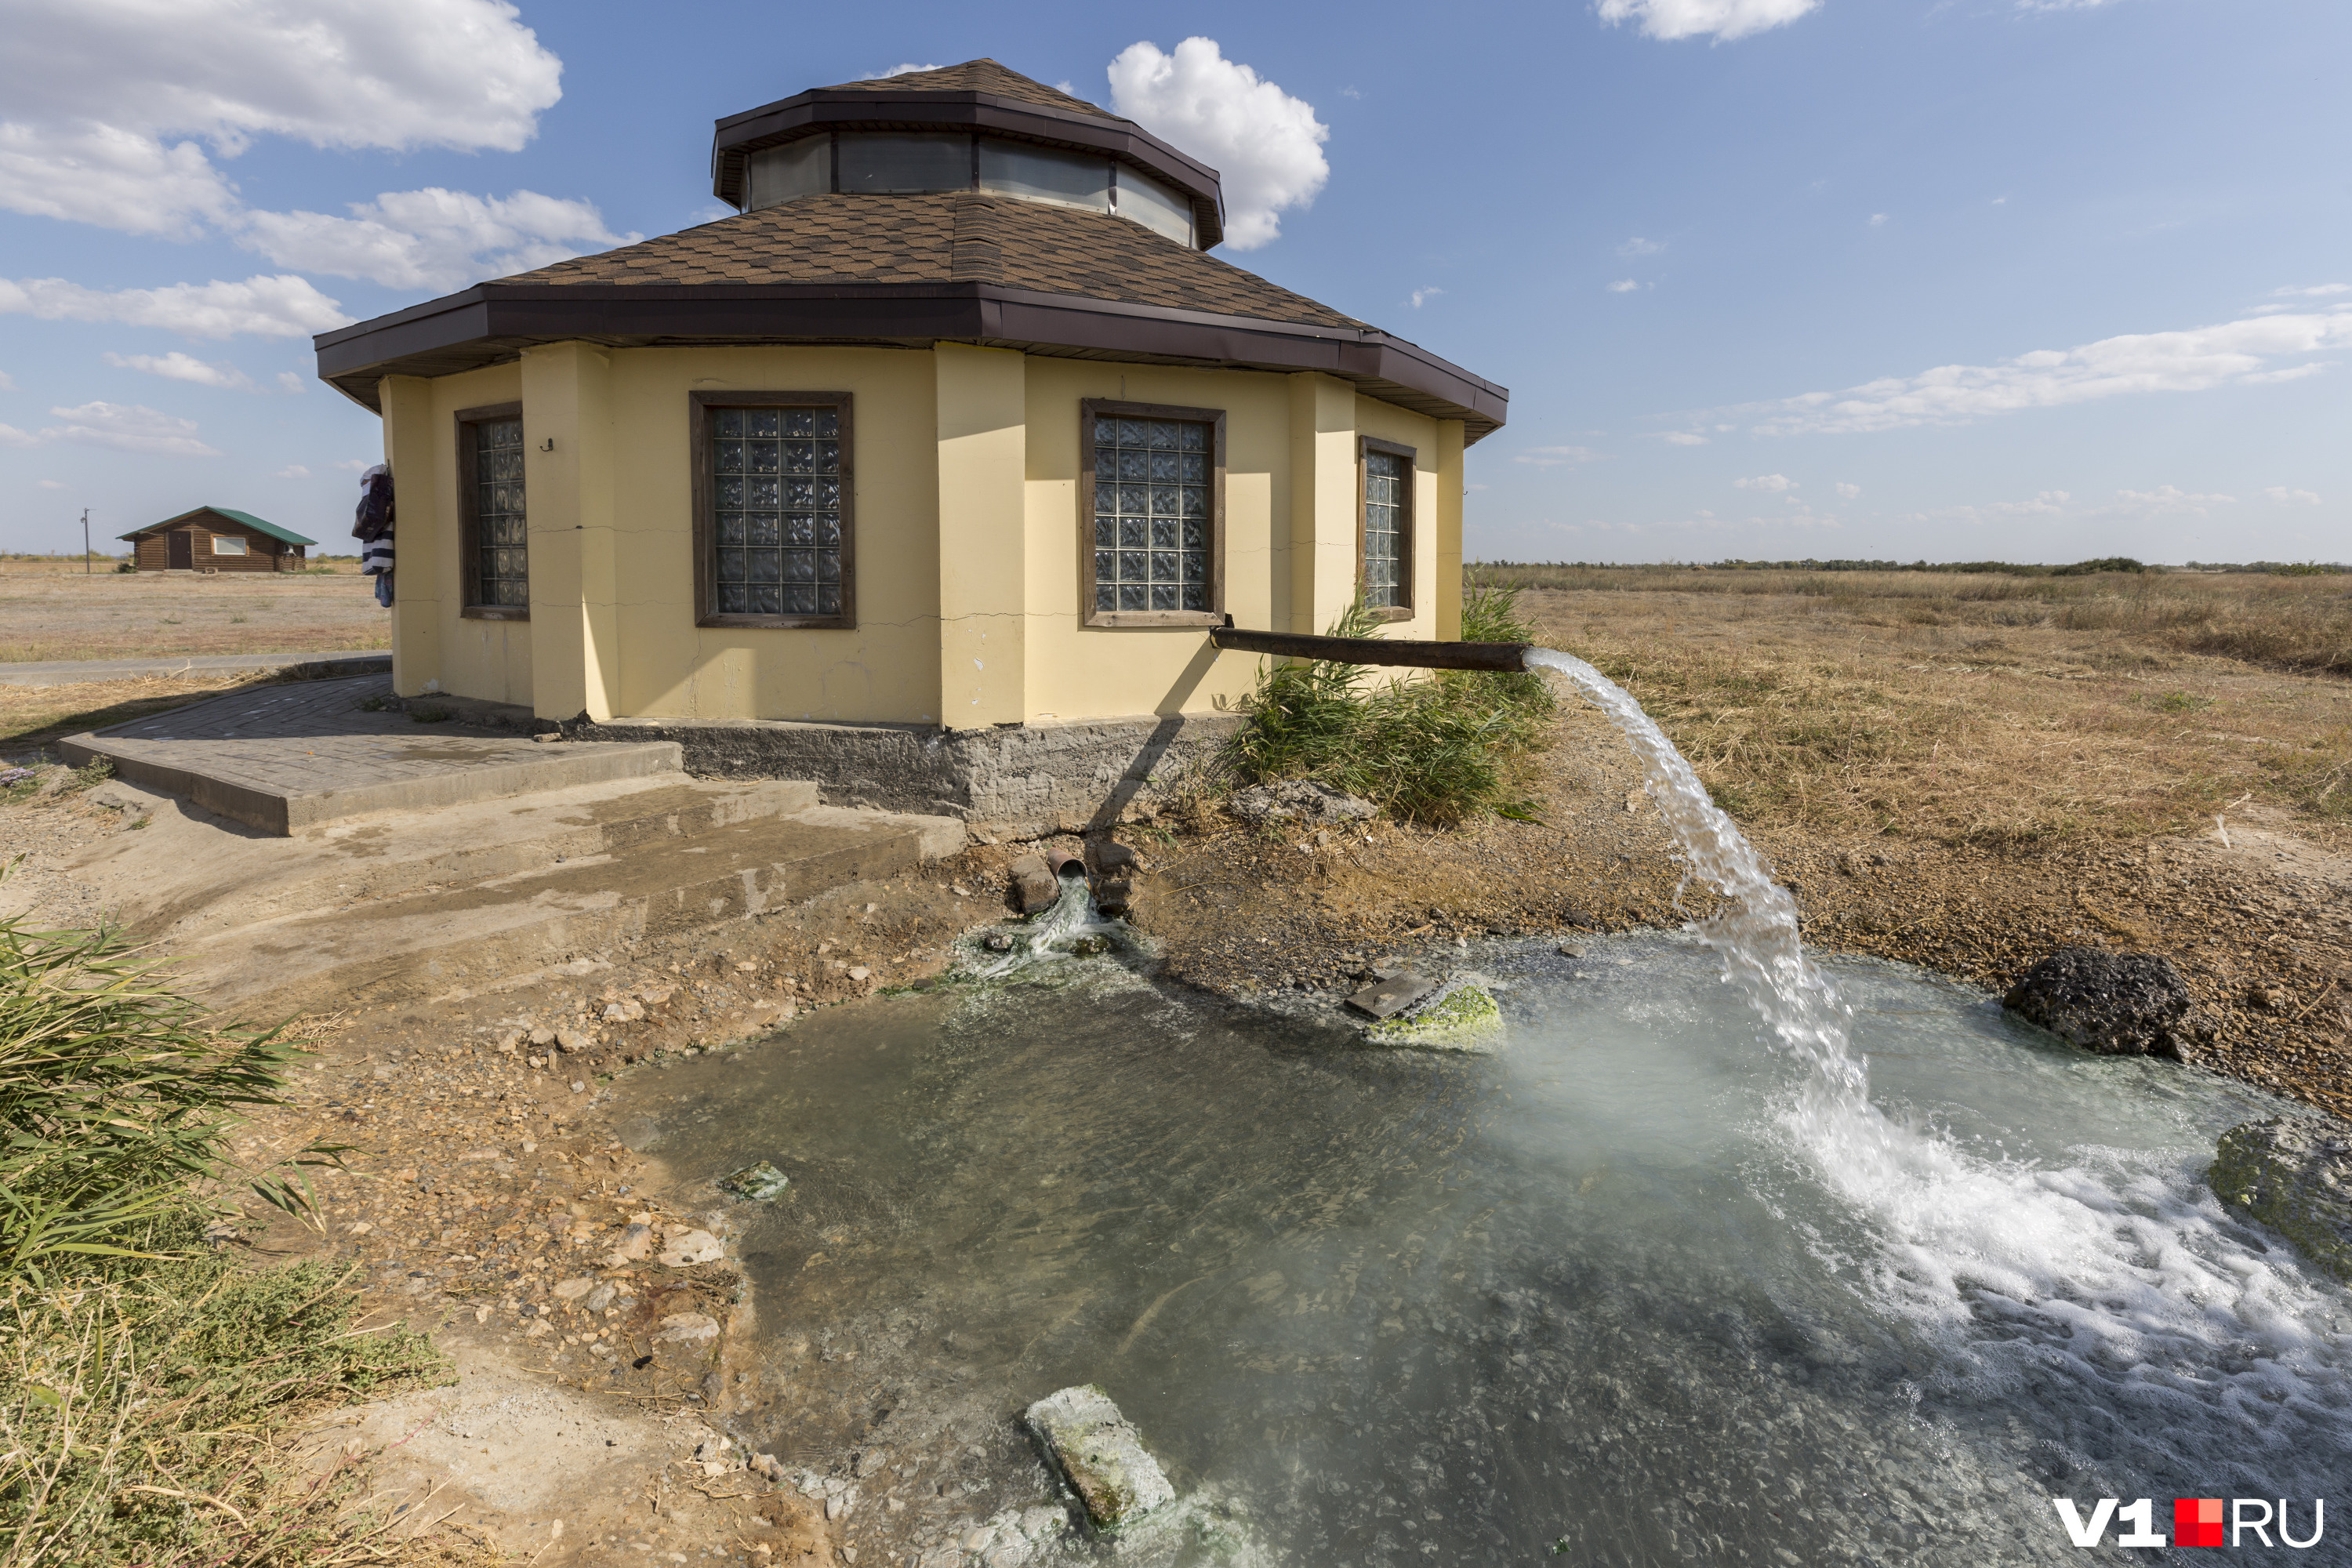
column 415, row 904
column 439, row 941
column 360, row 863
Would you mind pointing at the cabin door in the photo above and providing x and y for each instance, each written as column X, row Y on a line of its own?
column 182, row 547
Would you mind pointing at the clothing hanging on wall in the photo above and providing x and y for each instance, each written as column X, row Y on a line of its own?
column 372, row 525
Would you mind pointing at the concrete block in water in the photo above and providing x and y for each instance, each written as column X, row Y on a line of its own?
column 1459, row 1017
column 1392, row 995
column 1034, row 883
column 2292, row 1174
column 1100, row 1453
column 758, row 1183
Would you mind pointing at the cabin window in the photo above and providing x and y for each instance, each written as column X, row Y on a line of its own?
column 774, row 536
column 1385, row 547
column 494, row 545
column 1153, row 509
column 226, row 544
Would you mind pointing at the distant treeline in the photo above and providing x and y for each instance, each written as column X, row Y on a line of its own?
column 2002, row 568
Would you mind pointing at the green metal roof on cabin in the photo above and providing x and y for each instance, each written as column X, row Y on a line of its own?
column 247, row 517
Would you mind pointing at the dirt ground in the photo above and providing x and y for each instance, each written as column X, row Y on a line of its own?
column 1928, row 798
column 47, row 616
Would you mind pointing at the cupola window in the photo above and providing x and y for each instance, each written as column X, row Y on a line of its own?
column 887, row 162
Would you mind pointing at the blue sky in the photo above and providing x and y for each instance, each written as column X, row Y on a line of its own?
column 1940, row 279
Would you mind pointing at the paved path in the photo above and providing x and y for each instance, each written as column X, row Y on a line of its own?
column 73, row 672
column 283, row 758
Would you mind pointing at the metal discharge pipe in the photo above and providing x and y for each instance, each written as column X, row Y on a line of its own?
column 1500, row 656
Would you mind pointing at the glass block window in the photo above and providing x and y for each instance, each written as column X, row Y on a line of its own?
column 1152, row 498
column 501, row 560
column 776, row 501
column 1386, row 475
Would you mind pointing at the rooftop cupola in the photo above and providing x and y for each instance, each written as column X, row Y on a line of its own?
column 973, row 127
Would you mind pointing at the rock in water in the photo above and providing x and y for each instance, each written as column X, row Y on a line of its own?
column 2294, row 1173
column 759, row 1182
column 2117, row 1004
column 1101, row 1454
column 1459, row 1016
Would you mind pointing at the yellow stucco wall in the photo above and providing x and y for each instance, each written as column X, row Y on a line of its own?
column 969, row 563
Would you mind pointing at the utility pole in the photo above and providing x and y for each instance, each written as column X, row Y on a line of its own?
column 84, row 541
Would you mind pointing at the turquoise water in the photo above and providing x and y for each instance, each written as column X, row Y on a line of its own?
column 1631, row 1285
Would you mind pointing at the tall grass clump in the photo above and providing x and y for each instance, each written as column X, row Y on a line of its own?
column 144, row 1378
column 1436, row 750
column 116, row 1095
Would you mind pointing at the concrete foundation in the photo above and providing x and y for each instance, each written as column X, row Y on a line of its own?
column 1009, row 781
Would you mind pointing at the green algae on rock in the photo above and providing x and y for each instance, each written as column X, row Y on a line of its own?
column 1103, row 1456
column 2292, row 1174
column 1457, row 1016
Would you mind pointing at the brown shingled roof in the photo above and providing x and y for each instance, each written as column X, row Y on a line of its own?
column 976, row 76
column 947, row 237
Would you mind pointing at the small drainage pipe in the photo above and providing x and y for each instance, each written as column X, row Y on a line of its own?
column 1061, row 863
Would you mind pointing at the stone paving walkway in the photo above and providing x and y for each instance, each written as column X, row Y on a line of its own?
column 74, row 672
column 283, row 758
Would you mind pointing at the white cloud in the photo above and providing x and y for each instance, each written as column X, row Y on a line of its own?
column 1846, row 491
column 1637, row 246
column 1683, row 438
column 12, row 437
column 1775, row 483
column 291, row 472
column 1879, row 220
column 177, row 366
column 900, row 69
column 2286, row 496
column 1266, row 146
column 1553, row 456
column 288, row 380
column 433, row 238
column 1624, row 285
column 7, row 382
column 2231, row 354
column 1692, row 19
column 357, row 465
column 108, row 100
column 45, row 484
column 2172, row 498
column 1421, row 294
column 281, row 307
column 2320, row 291
column 128, row 428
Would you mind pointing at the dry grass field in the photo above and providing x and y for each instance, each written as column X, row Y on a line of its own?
column 47, row 614
column 1980, row 709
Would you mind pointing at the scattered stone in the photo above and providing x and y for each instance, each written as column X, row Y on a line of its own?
column 575, row 1039
column 1303, row 799
column 1115, row 895
column 757, row 1184
column 1460, row 1017
column 1101, row 1455
column 571, row 1290
column 2292, row 1174
column 1034, row 884
column 600, row 1298
column 627, row 1010
column 997, row 942
column 2117, row 1004
column 542, row 1035
column 1392, row 995
column 1570, row 950
column 687, row 1329
column 688, row 1247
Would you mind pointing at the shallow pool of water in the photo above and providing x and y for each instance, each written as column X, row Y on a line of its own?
column 1605, row 1289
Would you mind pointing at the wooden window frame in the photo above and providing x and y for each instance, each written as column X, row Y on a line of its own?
column 1093, row 408
column 701, row 406
column 470, row 522
column 1407, row 529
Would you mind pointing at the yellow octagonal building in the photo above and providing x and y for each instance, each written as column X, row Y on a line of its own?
column 927, row 473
